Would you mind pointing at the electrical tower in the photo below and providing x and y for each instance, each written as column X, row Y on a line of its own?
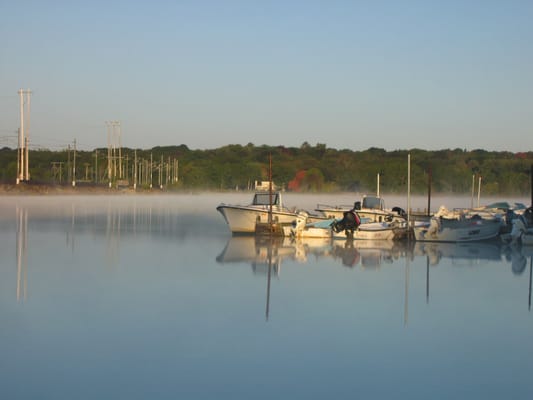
column 114, row 146
column 23, row 173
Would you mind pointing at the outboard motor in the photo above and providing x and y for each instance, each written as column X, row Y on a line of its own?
column 528, row 216
column 349, row 223
column 400, row 211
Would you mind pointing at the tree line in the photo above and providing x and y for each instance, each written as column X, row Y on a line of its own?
column 306, row 168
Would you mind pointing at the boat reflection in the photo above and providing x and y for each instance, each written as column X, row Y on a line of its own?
column 351, row 253
column 259, row 251
column 464, row 253
column 22, row 253
column 368, row 253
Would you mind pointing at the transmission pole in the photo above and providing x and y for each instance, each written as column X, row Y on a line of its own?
column 23, row 153
column 69, row 176
column 74, row 167
column 151, row 172
column 160, row 167
column 135, row 172
column 108, row 125
column 96, row 166
column 120, row 171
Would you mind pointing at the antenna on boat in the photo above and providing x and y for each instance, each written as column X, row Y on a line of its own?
column 270, row 227
column 473, row 187
column 430, row 177
column 377, row 191
column 408, row 195
column 479, row 191
column 270, row 190
column 531, row 188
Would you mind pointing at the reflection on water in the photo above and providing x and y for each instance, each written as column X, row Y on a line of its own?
column 22, row 252
column 367, row 254
column 266, row 255
column 166, row 300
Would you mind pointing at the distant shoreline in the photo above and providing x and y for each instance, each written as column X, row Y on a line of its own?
column 46, row 189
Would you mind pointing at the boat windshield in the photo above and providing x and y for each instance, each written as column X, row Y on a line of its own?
column 263, row 199
column 373, row 202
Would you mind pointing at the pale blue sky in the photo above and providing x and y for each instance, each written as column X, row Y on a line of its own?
column 349, row 74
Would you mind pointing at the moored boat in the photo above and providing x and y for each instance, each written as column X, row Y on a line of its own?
column 370, row 207
column 457, row 226
column 349, row 227
column 302, row 228
column 266, row 207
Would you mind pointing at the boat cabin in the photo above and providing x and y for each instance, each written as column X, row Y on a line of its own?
column 373, row 203
column 263, row 199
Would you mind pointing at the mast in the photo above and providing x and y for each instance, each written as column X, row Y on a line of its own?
column 270, row 190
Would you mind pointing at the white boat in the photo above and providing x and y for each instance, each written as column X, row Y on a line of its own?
column 302, row 228
column 242, row 219
column 374, row 231
column 371, row 207
column 349, row 227
column 457, row 226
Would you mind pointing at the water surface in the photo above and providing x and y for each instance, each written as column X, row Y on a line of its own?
column 150, row 297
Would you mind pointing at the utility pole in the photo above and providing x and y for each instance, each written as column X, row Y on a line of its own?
column 96, row 166
column 74, row 167
column 120, row 170
column 69, row 176
column 23, row 173
column 135, row 172
column 56, row 168
column 160, row 172
column 151, row 173
column 114, row 141
column 109, row 175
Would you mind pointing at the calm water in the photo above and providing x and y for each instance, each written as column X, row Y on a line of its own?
column 149, row 297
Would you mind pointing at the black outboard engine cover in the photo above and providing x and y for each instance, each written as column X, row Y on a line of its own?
column 528, row 216
column 348, row 223
column 400, row 211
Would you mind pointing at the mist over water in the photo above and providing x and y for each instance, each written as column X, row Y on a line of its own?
column 149, row 296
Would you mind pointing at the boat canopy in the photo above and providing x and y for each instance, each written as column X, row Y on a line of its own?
column 373, row 202
column 263, row 199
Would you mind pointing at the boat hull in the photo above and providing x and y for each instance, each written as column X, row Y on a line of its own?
column 370, row 231
column 457, row 231
column 370, row 215
column 243, row 219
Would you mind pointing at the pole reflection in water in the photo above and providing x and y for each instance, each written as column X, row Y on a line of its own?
column 117, row 221
column 113, row 235
column 530, row 273
column 265, row 257
column 427, row 280
column 268, row 280
column 406, row 299
column 22, row 252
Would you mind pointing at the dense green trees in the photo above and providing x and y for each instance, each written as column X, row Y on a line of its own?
column 318, row 168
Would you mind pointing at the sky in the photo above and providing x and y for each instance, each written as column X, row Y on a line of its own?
column 352, row 75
